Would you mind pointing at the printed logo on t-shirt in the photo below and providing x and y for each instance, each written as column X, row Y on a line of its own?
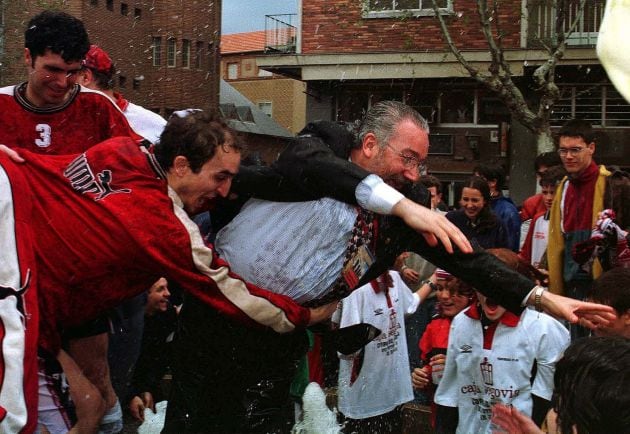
column 486, row 371
column 83, row 180
column 465, row 349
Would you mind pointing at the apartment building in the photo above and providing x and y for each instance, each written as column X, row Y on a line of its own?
column 352, row 54
column 282, row 98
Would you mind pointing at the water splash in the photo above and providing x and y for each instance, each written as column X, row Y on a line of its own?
column 316, row 418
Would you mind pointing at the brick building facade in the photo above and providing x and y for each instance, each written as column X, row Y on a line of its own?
column 166, row 52
column 354, row 53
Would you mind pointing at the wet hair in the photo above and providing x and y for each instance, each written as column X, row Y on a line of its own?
column 552, row 176
column 516, row 263
column 195, row 136
column 58, row 32
column 383, row 118
column 613, row 289
column 547, row 159
column 591, row 386
column 486, row 218
column 104, row 80
column 578, row 128
column 457, row 286
column 491, row 172
column 431, row 181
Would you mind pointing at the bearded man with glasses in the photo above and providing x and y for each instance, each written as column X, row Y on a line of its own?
column 580, row 197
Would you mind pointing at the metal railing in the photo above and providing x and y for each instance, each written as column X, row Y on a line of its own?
column 542, row 15
column 280, row 33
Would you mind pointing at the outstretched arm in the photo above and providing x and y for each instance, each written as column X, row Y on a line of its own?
column 12, row 154
column 314, row 168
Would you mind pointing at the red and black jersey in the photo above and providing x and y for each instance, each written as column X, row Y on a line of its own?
column 87, row 117
column 106, row 225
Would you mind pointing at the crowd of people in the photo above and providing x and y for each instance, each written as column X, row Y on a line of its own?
column 102, row 256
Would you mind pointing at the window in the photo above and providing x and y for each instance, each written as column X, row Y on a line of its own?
column 402, row 8
column 157, row 50
column 171, row 46
column 198, row 54
column 457, row 107
column 266, row 107
column 598, row 104
column 137, row 13
column 124, row 9
column 186, row 53
column 122, row 81
column 110, row 5
column 135, row 84
column 232, row 71
column 94, row 2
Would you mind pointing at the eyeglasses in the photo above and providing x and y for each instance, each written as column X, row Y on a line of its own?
column 570, row 151
column 410, row 162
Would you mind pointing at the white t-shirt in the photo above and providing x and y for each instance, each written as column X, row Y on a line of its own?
column 384, row 380
column 476, row 378
column 145, row 122
column 540, row 237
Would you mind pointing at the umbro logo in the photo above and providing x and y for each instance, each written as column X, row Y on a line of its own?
column 378, row 311
column 465, row 348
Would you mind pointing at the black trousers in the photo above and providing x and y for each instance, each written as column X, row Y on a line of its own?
column 228, row 377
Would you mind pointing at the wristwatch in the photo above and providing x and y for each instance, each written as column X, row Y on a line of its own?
column 432, row 285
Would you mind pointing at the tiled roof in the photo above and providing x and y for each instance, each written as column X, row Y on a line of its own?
column 243, row 42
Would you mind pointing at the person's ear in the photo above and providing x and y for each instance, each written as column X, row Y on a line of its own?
column 86, row 77
column 370, row 145
column 181, row 165
column 28, row 59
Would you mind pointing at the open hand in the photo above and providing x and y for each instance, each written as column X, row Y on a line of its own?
column 433, row 226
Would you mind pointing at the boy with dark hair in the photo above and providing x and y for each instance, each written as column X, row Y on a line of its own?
column 535, row 244
column 50, row 113
column 534, row 205
column 581, row 196
column 59, row 33
column 502, row 206
column 613, row 288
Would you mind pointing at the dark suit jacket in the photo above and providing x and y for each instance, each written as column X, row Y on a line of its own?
column 316, row 165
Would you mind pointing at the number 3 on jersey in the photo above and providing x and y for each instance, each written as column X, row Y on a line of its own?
column 44, row 135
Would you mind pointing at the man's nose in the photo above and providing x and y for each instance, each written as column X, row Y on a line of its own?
column 412, row 175
column 224, row 188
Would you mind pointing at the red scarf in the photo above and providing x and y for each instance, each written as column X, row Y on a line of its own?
column 578, row 201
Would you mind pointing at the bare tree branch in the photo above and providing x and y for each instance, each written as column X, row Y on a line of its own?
column 474, row 72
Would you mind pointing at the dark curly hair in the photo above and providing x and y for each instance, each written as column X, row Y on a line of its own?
column 58, row 32
column 591, row 386
column 195, row 136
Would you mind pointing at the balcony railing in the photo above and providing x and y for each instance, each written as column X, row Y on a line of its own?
column 542, row 22
column 280, row 33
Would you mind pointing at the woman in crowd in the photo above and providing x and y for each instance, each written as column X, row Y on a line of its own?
column 475, row 218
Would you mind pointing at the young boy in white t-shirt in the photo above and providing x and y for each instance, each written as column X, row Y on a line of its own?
column 495, row 356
